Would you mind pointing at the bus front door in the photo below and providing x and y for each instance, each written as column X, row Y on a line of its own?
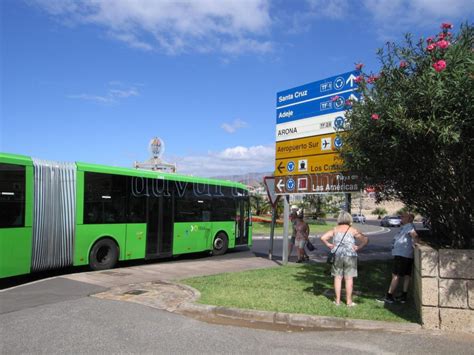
column 159, row 234
column 242, row 221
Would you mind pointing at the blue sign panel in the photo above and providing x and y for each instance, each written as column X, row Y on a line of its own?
column 290, row 184
column 290, row 166
column 325, row 87
column 317, row 107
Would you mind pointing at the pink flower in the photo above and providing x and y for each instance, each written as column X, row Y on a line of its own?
column 334, row 98
column 375, row 117
column 359, row 66
column 372, row 79
column 446, row 26
column 443, row 44
column 430, row 40
column 431, row 47
column 441, row 36
column 359, row 79
column 440, row 65
column 348, row 103
column 403, row 64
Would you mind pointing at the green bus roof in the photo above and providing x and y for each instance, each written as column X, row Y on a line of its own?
column 8, row 158
column 16, row 159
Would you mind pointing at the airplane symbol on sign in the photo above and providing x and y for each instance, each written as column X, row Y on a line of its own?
column 326, row 143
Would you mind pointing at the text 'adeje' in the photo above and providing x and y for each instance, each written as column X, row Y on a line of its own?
column 285, row 114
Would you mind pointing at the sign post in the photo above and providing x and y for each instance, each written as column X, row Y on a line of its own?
column 286, row 218
column 269, row 182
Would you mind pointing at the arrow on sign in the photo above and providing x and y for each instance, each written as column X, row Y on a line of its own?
column 280, row 185
column 350, row 80
column 353, row 97
column 280, row 167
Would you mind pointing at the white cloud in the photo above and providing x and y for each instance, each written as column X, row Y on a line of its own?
column 231, row 161
column 171, row 26
column 233, row 126
column 393, row 17
column 335, row 9
column 388, row 18
column 114, row 94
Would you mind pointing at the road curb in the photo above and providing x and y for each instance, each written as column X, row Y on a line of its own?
column 181, row 299
column 302, row 321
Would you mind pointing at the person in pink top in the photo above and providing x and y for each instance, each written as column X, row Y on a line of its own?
column 301, row 236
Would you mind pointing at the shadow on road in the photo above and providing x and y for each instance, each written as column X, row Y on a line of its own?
column 5, row 283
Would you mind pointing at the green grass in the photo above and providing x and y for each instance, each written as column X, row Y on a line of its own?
column 306, row 289
column 315, row 228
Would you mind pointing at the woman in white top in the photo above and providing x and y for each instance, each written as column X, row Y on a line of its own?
column 343, row 244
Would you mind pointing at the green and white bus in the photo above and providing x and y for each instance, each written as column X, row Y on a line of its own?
column 55, row 215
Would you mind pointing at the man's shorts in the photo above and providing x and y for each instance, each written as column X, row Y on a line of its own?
column 292, row 240
column 344, row 266
column 402, row 266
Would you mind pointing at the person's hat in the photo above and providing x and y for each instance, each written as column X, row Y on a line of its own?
column 294, row 207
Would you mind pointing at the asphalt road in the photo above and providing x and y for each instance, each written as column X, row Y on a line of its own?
column 379, row 246
column 91, row 326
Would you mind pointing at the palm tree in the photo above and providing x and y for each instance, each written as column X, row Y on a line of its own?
column 256, row 202
column 379, row 211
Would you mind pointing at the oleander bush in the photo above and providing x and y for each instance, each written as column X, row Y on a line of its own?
column 411, row 134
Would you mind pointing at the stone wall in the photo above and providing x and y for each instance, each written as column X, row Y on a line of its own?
column 444, row 288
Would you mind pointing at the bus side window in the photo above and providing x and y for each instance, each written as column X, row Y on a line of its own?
column 105, row 198
column 12, row 195
column 223, row 206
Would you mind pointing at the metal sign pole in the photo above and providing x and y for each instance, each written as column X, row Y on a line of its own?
column 272, row 232
column 286, row 218
column 348, row 202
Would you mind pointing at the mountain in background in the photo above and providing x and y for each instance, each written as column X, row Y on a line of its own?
column 250, row 179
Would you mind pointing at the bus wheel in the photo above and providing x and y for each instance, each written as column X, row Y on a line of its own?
column 221, row 242
column 104, row 255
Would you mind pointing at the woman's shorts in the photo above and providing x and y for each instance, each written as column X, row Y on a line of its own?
column 300, row 244
column 344, row 266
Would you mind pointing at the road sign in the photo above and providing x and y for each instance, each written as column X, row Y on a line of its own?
column 311, row 126
column 314, row 164
column 269, row 182
column 318, row 89
column 309, row 121
column 313, row 108
column 314, row 145
column 317, row 183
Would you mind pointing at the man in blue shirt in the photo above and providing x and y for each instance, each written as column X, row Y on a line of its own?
column 402, row 251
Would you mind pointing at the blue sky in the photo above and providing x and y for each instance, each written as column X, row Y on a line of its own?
column 94, row 81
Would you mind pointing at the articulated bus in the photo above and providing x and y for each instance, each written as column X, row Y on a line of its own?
column 55, row 215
